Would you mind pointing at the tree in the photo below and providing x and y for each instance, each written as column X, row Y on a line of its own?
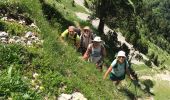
column 107, row 9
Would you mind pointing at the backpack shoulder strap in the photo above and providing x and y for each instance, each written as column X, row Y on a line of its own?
column 81, row 41
column 103, row 52
column 125, row 65
column 74, row 38
column 67, row 35
column 116, row 65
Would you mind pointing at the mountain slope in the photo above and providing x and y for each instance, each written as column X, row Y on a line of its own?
column 45, row 71
column 57, row 66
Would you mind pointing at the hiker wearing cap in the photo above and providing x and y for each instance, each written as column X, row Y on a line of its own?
column 95, row 52
column 118, row 68
column 72, row 36
column 85, row 39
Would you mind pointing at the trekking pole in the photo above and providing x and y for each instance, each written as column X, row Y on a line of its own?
column 136, row 79
column 136, row 92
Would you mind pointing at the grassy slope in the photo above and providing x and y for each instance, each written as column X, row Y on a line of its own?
column 60, row 65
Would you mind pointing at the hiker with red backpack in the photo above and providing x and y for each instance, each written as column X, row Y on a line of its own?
column 118, row 68
column 85, row 39
column 96, row 52
column 71, row 35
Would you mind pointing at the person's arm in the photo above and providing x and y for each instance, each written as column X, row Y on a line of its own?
column 107, row 72
column 87, row 53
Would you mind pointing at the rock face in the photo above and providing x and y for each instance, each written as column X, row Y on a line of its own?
column 74, row 96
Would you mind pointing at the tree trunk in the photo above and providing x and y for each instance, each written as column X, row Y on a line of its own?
column 101, row 26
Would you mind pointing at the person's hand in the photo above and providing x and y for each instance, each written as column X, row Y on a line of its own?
column 97, row 64
column 132, row 78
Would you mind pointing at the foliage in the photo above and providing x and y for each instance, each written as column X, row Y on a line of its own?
column 14, row 85
column 106, row 10
column 155, row 14
column 154, row 58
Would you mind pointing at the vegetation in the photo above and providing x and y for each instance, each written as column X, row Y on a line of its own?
column 58, row 68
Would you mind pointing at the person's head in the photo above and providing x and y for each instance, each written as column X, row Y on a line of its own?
column 71, row 30
column 97, row 41
column 86, row 31
column 121, row 56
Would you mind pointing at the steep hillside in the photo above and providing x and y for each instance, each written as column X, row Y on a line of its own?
column 44, row 72
column 35, row 65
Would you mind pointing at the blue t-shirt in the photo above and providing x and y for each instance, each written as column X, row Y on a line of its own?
column 120, row 69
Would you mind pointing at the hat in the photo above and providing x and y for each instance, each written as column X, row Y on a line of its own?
column 97, row 39
column 121, row 53
column 86, row 28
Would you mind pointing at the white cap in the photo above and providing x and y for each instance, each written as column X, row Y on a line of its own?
column 97, row 39
column 121, row 53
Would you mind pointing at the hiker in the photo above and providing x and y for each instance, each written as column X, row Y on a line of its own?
column 72, row 36
column 118, row 68
column 85, row 39
column 96, row 52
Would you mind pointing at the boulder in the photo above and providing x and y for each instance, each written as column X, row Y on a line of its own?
column 74, row 96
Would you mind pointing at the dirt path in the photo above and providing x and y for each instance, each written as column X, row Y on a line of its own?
column 163, row 76
column 81, row 3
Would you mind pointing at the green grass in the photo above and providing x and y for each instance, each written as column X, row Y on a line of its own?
column 162, row 90
column 57, row 65
column 162, row 55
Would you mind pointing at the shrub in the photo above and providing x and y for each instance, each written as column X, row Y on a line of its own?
column 148, row 62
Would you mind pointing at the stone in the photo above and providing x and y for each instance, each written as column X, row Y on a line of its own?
column 65, row 97
column 74, row 96
column 78, row 96
column 3, row 34
column 11, row 41
column 29, row 34
column 4, row 18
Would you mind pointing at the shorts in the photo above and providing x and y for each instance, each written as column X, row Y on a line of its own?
column 115, row 78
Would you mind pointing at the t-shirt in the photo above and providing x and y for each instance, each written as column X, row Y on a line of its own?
column 70, row 38
column 95, row 55
column 120, row 69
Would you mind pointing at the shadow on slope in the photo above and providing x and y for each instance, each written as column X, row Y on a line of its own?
column 53, row 15
column 15, row 11
column 129, row 94
column 148, row 84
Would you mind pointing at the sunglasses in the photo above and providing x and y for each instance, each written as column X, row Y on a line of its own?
column 121, row 57
column 86, row 31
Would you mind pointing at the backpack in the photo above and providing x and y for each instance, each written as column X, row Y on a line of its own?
column 78, row 31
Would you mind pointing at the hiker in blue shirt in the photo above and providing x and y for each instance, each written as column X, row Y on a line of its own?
column 118, row 68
